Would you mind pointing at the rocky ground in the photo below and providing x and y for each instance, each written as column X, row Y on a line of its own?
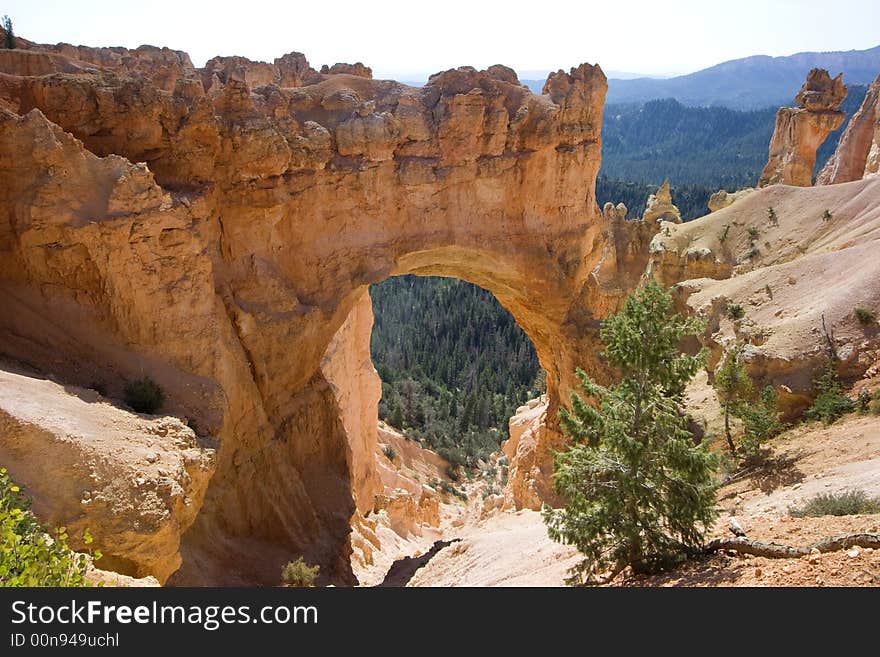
column 512, row 548
column 134, row 481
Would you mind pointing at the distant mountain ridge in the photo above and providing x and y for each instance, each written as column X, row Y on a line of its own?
column 749, row 83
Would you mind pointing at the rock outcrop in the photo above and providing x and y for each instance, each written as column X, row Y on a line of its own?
column 218, row 233
column 357, row 69
column 660, row 207
column 801, row 130
column 722, row 198
column 406, row 513
column 858, row 151
column 135, row 483
column 530, row 450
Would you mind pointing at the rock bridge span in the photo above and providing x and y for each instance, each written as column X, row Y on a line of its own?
column 217, row 229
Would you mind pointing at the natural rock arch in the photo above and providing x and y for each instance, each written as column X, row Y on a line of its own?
column 233, row 267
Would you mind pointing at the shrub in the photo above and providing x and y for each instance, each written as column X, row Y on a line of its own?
column 846, row 503
column 869, row 402
column 299, row 573
column 29, row 556
column 827, row 216
column 830, row 403
column 455, row 455
column 771, row 215
column 452, row 490
column 753, row 233
column 639, row 492
column 389, row 452
column 735, row 311
column 144, row 395
column 723, row 236
column 866, row 317
column 452, row 472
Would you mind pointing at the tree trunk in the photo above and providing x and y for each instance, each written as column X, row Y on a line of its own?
column 727, row 429
column 744, row 545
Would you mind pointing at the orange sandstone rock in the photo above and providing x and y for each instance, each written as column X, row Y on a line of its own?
column 858, row 151
column 801, row 130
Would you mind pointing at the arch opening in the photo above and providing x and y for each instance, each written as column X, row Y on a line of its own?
column 454, row 365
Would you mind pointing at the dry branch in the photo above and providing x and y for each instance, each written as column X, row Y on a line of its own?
column 744, row 545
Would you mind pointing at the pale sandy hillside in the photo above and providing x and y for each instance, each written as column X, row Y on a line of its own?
column 512, row 549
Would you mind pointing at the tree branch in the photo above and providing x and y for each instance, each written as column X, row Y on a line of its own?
column 745, row 545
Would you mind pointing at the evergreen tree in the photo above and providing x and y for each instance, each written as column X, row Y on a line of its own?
column 830, row 403
column 760, row 422
column 9, row 39
column 732, row 386
column 639, row 492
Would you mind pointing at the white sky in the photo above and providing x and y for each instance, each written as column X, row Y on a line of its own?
column 400, row 39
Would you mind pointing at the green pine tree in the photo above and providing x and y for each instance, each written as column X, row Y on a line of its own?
column 733, row 386
column 396, row 419
column 639, row 492
column 760, row 421
column 9, row 37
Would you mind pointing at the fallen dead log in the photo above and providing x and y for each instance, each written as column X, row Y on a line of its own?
column 745, row 545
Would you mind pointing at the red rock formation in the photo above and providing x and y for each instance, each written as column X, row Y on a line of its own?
column 357, row 69
column 224, row 265
column 659, row 206
column 858, row 151
column 290, row 70
column 801, row 130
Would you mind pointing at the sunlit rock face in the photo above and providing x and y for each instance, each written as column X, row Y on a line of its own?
column 801, row 130
column 217, row 229
column 858, row 152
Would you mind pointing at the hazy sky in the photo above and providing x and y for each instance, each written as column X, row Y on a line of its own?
column 410, row 38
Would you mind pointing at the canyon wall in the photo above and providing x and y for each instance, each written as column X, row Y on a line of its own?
column 217, row 230
column 858, row 152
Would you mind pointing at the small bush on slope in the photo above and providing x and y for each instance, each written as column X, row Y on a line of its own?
column 299, row 573
column 144, row 395
column 29, row 556
column 846, row 503
column 830, row 404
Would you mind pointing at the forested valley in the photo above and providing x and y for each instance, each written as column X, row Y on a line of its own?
column 454, row 364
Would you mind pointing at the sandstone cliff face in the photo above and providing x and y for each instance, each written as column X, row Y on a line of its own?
column 224, row 264
column 858, row 151
column 801, row 130
column 356, row 386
